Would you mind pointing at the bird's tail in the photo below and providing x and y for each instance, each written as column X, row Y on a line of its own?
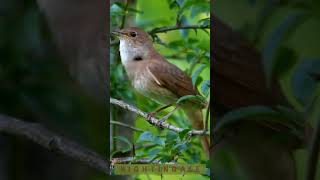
column 196, row 117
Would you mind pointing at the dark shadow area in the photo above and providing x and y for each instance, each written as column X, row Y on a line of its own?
column 53, row 71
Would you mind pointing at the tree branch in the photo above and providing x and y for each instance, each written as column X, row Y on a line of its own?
column 206, row 128
column 126, row 125
column 124, row 17
column 172, row 28
column 166, row 29
column 53, row 142
column 124, row 160
column 153, row 120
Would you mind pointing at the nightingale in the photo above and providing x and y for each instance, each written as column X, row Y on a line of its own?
column 154, row 77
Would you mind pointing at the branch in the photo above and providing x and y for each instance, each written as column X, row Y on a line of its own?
column 206, row 128
column 131, row 160
column 172, row 28
column 124, row 17
column 153, row 120
column 53, row 142
column 126, row 125
column 166, row 29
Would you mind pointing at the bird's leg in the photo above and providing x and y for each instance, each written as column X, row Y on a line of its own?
column 152, row 114
column 168, row 115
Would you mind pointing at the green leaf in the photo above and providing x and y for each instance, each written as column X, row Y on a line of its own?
column 195, row 31
column 165, row 158
column 176, row 44
column 179, row 148
column 190, row 3
column 116, row 9
column 154, row 152
column 285, row 61
column 173, row 4
column 180, row 2
column 135, row 10
column 183, row 133
column 159, row 141
column 125, row 140
column 205, row 88
column 296, row 117
column 146, row 136
column 287, row 121
column 279, row 34
column 251, row 112
column 207, row 32
column 171, row 136
column 115, row 152
column 197, row 9
column 190, row 56
column 204, row 22
column 184, row 21
column 197, row 73
column 304, row 86
column 149, row 137
column 198, row 81
column 191, row 97
column 265, row 13
column 118, row 4
column 192, row 41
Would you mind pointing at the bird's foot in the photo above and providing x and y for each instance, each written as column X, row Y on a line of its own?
column 160, row 121
column 150, row 115
column 164, row 118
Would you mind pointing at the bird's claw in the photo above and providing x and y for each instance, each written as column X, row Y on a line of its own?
column 160, row 121
column 150, row 115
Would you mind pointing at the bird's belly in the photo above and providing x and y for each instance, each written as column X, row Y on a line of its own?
column 145, row 86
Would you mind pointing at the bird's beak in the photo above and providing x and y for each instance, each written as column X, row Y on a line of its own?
column 117, row 33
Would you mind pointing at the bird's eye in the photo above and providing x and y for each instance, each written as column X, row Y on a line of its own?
column 133, row 34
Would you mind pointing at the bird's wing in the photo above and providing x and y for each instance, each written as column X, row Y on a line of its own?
column 171, row 77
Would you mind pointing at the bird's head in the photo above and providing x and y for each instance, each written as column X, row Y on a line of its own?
column 133, row 36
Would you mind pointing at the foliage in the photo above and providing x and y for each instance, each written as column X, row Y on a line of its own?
column 36, row 86
column 188, row 49
column 284, row 32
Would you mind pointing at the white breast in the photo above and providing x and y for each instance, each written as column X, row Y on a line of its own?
column 143, row 81
column 128, row 51
column 124, row 52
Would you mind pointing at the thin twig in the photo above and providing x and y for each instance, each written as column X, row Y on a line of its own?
column 206, row 124
column 165, row 29
column 153, row 120
column 123, row 21
column 53, row 142
column 123, row 160
column 172, row 28
column 313, row 154
column 126, row 125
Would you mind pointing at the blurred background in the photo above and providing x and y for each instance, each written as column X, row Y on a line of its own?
column 267, row 52
column 53, row 71
column 189, row 49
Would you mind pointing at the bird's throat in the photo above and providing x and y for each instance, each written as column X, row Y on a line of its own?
column 130, row 53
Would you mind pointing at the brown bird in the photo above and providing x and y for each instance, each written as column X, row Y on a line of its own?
column 156, row 78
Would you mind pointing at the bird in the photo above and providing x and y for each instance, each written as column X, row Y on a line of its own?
column 156, row 78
